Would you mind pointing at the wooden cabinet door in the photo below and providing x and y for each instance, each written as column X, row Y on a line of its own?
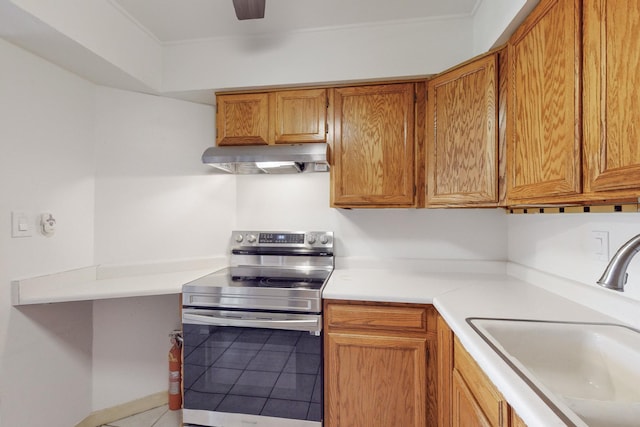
column 612, row 95
column 242, row 119
column 544, row 135
column 466, row 411
column 300, row 116
column 375, row 381
column 373, row 152
column 516, row 421
column 483, row 394
column 462, row 143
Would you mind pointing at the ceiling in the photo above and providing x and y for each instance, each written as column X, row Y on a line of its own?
column 179, row 20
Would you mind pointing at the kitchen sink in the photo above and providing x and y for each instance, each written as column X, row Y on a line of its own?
column 592, row 369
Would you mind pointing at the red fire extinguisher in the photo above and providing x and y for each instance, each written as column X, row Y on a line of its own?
column 175, row 362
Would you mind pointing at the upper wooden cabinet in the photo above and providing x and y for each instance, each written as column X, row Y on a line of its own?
column 300, row 116
column 373, row 148
column 283, row 117
column 611, row 122
column 544, row 135
column 573, row 110
column 462, row 135
column 242, row 119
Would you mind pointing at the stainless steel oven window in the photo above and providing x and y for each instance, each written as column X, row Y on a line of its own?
column 253, row 371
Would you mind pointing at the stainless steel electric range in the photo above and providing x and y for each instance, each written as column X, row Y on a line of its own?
column 253, row 333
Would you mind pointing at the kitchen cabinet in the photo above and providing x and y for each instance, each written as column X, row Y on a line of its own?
column 242, row 119
column 544, row 133
column 300, row 116
column 516, row 421
column 574, row 79
column 373, row 146
column 474, row 396
column 611, row 91
column 468, row 397
column 466, row 410
column 281, row 117
column 463, row 144
column 380, row 367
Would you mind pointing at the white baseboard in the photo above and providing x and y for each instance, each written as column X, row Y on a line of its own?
column 105, row 416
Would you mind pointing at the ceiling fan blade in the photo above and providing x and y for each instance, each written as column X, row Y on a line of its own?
column 249, row 9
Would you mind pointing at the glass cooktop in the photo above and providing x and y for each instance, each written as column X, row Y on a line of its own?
column 265, row 277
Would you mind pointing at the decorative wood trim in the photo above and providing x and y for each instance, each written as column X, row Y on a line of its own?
column 625, row 208
column 445, row 370
column 420, row 136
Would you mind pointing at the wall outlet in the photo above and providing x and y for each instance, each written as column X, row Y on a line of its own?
column 600, row 245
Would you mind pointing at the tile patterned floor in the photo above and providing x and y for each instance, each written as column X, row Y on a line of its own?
column 156, row 417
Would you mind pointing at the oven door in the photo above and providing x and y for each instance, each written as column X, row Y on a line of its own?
column 252, row 369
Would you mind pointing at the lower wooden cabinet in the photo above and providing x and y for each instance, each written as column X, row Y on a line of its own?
column 465, row 407
column 380, row 366
column 485, row 405
column 468, row 398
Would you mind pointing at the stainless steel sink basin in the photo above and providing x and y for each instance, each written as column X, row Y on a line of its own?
column 593, row 369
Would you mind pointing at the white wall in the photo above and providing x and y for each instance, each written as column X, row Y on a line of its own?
column 107, row 47
column 495, row 20
column 131, row 347
column 155, row 201
column 97, row 26
column 562, row 244
column 125, row 166
column 302, row 202
column 350, row 53
column 46, row 163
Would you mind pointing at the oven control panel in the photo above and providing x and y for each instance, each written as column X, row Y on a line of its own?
column 284, row 239
column 281, row 238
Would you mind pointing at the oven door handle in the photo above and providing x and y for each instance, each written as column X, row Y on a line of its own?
column 311, row 325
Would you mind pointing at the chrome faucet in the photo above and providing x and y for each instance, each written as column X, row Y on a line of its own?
column 615, row 275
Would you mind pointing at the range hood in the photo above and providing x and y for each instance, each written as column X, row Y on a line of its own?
column 270, row 159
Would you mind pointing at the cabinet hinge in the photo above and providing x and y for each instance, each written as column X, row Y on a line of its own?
column 327, row 102
column 326, row 128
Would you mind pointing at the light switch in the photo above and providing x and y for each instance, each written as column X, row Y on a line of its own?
column 21, row 224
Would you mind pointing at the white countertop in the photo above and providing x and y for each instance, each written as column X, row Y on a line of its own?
column 112, row 281
column 510, row 299
column 458, row 296
column 458, row 290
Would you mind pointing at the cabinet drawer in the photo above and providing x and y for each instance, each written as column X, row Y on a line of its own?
column 486, row 395
column 380, row 317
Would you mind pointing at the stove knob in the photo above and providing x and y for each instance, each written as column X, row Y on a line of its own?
column 324, row 239
column 311, row 239
column 251, row 238
column 239, row 238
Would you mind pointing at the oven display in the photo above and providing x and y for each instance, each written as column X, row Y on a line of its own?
column 281, row 238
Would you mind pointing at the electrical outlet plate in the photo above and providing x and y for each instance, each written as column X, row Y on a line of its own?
column 600, row 245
